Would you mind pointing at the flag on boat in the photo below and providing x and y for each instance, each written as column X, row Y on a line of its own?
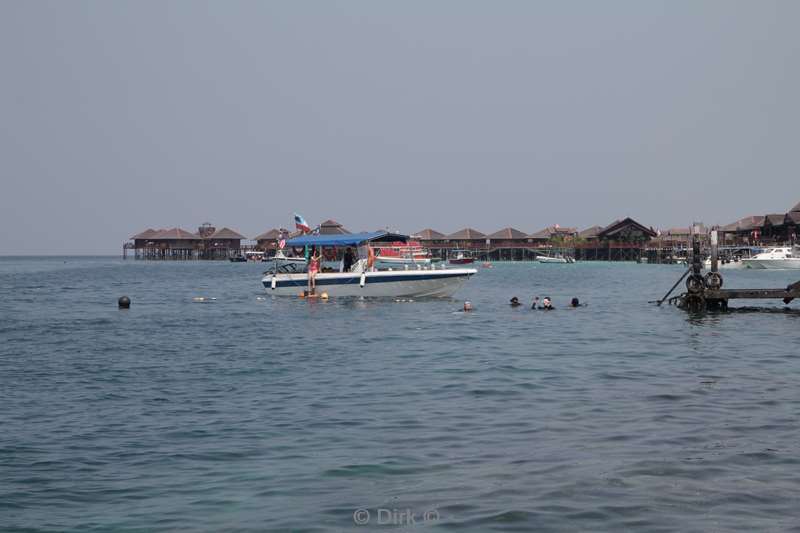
column 301, row 224
column 282, row 244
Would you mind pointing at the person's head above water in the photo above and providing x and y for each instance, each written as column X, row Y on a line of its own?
column 546, row 303
column 575, row 302
column 514, row 301
column 467, row 306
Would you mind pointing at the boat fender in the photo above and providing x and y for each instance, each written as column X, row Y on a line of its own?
column 274, row 283
column 363, row 280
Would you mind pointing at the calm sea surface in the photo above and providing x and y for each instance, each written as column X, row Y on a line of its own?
column 250, row 413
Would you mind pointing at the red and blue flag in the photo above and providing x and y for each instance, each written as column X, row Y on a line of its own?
column 301, row 224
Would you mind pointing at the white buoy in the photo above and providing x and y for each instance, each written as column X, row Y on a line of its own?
column 363, row 280
column 274, row 283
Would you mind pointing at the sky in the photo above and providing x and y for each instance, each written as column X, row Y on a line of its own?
column 126, row 115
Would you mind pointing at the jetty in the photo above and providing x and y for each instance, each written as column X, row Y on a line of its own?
column 704, row 293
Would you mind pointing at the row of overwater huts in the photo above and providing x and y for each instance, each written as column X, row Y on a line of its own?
column 622, row 240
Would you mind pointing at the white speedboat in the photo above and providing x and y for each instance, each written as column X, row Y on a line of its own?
column 377, row 283
column 557, row 258
column 775, row 258
column 363, row 279
column 725, row 263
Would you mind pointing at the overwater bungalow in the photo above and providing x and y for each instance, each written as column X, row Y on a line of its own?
column 222, row 244
column 467, row 239
column 551, row 234
column 331, row 227
column 622, row 240
column 178, row 243
column 267, row 240
column 507, row 244
column 589, row 234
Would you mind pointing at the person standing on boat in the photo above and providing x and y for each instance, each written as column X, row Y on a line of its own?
column 313, row 269
column 348, row 260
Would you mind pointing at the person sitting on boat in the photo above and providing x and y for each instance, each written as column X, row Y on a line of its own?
column 515, row 302
column 348, row 260
column 313, row 269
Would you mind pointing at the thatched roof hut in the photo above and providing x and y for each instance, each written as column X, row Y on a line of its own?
column 226, row 234
column 331, row 227
column 552, row 231
column 269, row 235
column 590, row 233
column 175, row 234
column 429, row 234
column 775, row 219
column 508, row 234
column 466, row 234
column 146, row 234
column 627, row 230
column 744, row 225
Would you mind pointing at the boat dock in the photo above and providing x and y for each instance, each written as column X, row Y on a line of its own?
column 705, row 293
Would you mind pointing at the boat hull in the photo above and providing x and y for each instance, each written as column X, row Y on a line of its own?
column 462, row 261
column 379, row 284
column 772, row 264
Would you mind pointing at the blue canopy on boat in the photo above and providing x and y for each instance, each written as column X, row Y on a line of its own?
column 349, row 239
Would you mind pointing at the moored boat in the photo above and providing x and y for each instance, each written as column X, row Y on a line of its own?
column 557, row 258
column 461, row 257
column 783, row 257
column 362, row 279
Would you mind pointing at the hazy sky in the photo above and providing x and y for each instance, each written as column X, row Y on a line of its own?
column 118, row 116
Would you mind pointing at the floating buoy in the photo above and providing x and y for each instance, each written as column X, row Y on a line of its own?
column 363, row 280
column 124, row 302
column 324, row 295
column 274, row 283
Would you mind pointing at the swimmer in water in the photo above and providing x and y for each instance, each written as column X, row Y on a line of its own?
column 515, row 302
column 547, row 305
column 576, row 303
column 467, row 306
column 535, row 304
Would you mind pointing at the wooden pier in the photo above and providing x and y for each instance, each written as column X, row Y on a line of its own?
column 706, row 292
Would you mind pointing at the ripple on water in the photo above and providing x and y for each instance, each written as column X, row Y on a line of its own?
column 281, row 414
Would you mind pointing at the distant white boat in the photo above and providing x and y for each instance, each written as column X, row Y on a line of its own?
column 557, row 258
column 727, row 264
column 775, row 258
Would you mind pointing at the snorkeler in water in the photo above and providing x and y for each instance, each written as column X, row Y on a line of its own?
column 576, row 303
column 515, row 302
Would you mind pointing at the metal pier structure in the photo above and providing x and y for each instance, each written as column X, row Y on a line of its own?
column 706, row 292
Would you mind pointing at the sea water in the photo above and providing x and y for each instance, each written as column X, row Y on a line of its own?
column 251, row 413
